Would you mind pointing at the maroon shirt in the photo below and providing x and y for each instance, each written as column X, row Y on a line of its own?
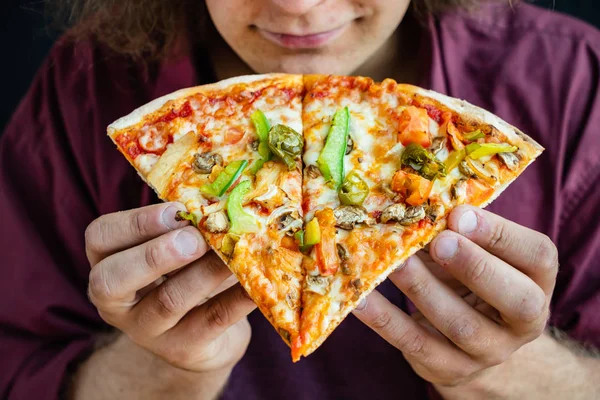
column 536, row 69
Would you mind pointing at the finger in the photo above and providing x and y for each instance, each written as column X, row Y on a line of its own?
column 442, row 274
column 408, row 336
column 163, row 307
column 531, row 252
column 116, row 279
column 211, row 319
column 119, row 231
column 451, row 315
column 520, row 301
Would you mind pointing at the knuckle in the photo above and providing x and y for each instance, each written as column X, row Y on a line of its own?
column 177, row 355
column 99, row 289
column 500, row 240
column 532, row 305
column 140, row 223
column 382, row 321
column 496, row 356
column 94, row 241
column 153, row 256
column 419, row 287
column 169, row 300
column 411, row 342
column 546, row 255
column 218, row 315
column 464, row 329
column 480, row 271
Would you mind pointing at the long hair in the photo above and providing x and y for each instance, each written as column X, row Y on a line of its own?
column 149, row 28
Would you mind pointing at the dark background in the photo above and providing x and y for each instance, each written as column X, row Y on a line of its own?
column 25, row 40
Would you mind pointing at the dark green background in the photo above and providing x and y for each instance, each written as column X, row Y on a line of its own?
column 26, row 41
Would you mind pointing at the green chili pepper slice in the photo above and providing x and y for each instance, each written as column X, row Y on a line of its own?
column 423, row 162
column 331, row 159
column 454, row 159
column 241, row 221
column 225, row 179
column 354, row 190
column 286, row 144
column 472, row 136
column 476, row 151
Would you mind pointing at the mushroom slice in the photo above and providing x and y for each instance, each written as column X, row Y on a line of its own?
column 349, row 145
column 434, row 211
column 217, row 222
column 412, row 215
column 437, row 144
column 203, row 163
column 346, row 217
column 313, row 172
column 317, row 284
column 395, row 212
column 510, row 160
column 464, row 169
column 459, row 190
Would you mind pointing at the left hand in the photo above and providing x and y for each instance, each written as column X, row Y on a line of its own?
column 486, row 295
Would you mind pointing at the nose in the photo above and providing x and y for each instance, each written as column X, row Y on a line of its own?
column 296, row 7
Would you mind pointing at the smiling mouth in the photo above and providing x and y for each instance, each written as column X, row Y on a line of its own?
column 309, row 41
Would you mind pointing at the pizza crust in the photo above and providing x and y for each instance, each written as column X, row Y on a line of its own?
column 137, row 115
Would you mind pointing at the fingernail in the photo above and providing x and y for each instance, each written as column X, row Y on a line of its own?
column 186, row 243
column 446, row 247
column 362, row 305
column 168, row 218
column 467, row 222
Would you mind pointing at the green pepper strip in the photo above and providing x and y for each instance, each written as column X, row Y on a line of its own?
column 354, row 190
column 225, row 179
column 425, row 163
column 454, row 159
column 474, row 135
column 261, row 124
column 331, row 159
column 476, row 151
column 241, row 221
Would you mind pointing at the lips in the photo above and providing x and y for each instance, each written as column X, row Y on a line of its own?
column 309, row 41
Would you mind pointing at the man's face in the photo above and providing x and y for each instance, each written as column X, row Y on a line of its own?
column 306, row 36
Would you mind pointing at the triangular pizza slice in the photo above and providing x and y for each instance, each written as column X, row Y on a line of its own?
column 231, row 152
column 384, row 164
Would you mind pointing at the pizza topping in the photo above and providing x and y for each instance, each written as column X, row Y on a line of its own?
column 454, row 159
column 327, row 259
column 349, row 145
column 480, row 170
column 459, row 190
column 228, row 244
column 286, row 144
column 437, row 145
column 274, row 197
column 313, row 172
column 412, row 187
column 464, row 169
column 241, row 222
column 434, row 211
column 331, row 159
column 288, row 221
column 348, row 216
column 354, row 190
column 395, row 212
column 225, row 179
column 285, row 335
column 455, row 136
column 153, row 141
column 412, row 215
column 317, row 284
column 510, row 160
column 423, row 161
column 414, row 127
column 217, row 222
column 472, row 136
column 312, row 234
column 183, row 216
column 261, row 124
column 204, row 163
column 385, row 188
column 342, row 252
column 476, row 150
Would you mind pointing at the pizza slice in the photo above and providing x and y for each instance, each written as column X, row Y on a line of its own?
column 384, row 164
column 231, row 152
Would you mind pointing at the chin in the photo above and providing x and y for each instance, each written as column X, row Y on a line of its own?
column 308, row 64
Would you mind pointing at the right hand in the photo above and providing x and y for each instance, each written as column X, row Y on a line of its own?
column 148, row 280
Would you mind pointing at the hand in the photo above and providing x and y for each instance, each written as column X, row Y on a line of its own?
column 487, row 296
column 148, row 280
